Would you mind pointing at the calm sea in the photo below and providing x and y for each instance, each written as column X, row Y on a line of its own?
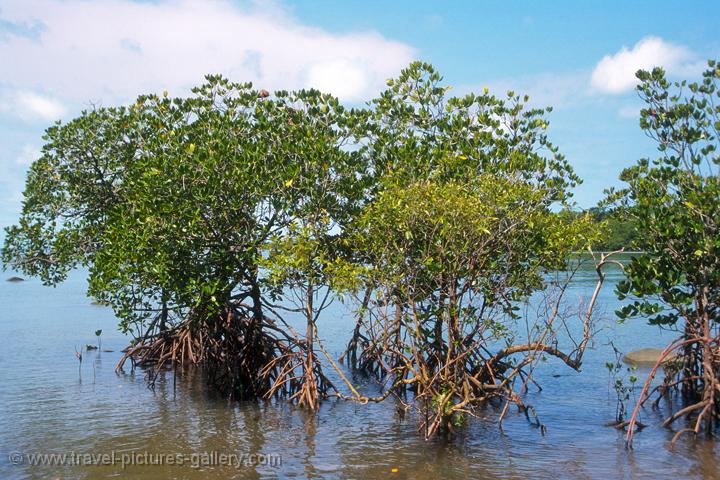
column 98, row 416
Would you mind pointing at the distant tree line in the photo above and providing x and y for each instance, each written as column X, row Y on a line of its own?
column 617, row 230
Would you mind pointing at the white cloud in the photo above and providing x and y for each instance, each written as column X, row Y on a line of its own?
column 29, row 105
column 111, row 51
column 615, row 74
column 33, row 105
column 343, row 78
column 61, row 55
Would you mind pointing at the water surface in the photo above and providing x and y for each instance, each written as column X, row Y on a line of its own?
column 47, row 406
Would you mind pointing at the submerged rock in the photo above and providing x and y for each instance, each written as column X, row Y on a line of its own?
column 99, row 303
column 15, row 279
column 647, row 356
column 90, row 346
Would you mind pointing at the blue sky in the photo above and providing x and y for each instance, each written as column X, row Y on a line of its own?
column 58, row 57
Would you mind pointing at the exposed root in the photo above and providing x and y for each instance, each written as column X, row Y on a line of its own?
column 624, row 425
column 242, row 358
column 298, row 377
column 440, row 364
column 696, row 382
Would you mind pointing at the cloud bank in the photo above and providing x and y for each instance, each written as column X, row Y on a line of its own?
column 77, row 51
column 615, row 74
column 58, row 56
column 611, row 76
column 30, row 106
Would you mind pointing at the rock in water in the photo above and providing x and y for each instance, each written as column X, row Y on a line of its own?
column 15, row 279
column 646, row 356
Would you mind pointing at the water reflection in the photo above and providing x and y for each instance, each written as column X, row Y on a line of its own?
column 45, row 409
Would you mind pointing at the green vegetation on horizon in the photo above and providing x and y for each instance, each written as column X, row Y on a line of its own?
column 617, row 231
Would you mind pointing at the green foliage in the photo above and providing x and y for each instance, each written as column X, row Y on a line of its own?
column 618, row 231
column 488, row 231
column 464, row 190
column 69, row 192
column 418, row 131
column 201, row 213
column 173, row 203
column 675, row 201
column 458, row 228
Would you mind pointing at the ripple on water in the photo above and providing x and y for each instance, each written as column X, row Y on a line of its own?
column 46, row 407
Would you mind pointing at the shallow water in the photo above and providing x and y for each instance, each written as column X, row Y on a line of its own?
column 49, row 407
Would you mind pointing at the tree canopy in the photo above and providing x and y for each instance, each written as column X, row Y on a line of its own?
column 675, row 202
column 459, row 230
column 174, row 204
column 204, row 220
